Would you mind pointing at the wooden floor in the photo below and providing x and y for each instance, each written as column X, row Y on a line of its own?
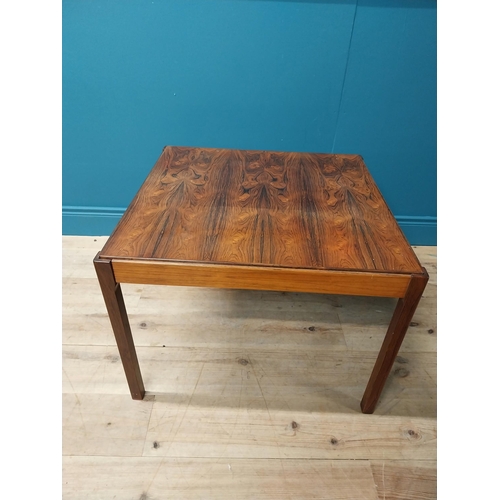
column 249, row 394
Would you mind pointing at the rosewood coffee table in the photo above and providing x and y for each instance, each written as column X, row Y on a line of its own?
column 261, row 220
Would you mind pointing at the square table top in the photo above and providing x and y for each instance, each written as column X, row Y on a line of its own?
column 262, row 208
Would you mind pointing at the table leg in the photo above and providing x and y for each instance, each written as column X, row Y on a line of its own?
column 115, row 305
column 393, row 339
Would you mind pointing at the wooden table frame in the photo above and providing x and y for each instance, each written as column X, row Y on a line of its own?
column 139, row 269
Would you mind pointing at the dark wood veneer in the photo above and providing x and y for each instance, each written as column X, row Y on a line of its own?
column 301, row 210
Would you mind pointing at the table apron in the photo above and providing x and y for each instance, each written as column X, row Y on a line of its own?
column 261, row 278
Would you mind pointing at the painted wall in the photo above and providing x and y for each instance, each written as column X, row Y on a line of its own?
column 345, row 76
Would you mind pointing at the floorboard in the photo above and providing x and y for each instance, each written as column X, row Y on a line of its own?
column 249, row 394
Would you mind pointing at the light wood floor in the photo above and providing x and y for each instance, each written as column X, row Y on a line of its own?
column 250, row 395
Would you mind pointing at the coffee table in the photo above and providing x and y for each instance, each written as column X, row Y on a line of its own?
column 261, row 220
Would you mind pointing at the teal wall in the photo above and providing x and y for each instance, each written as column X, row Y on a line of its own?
column 345, row 76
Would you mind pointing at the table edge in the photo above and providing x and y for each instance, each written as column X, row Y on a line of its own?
column 212, row 275
column 123, row 258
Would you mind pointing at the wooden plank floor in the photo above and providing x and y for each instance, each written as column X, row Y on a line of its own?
column 249, row 394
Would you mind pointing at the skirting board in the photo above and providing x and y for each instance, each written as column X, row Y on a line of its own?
column 100, row 221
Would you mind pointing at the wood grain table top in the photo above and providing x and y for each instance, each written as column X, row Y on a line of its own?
column 262, row 208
